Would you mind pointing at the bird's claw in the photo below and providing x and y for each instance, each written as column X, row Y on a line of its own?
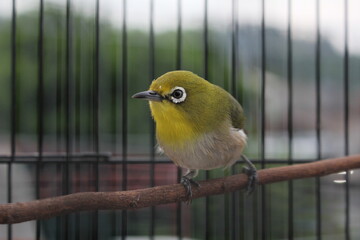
column 186, row 182
column 252, row 179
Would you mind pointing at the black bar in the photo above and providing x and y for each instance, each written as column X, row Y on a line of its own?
column 178, row 209
column 58, row 231
column 234, row 53
column 263, row 75
column 90, row 100
column 234, row 48
column 89, row 93
column 96, row 88
column 226, row 234
column 263, row 113
column 13, row 117
column 114, row 101
column 152, row 125
column 77, row 98
column 206, row 76
column 179, row 36
column 318, row 117
column 67, row 80
column 124, row 118
column 178, row 66
column 66, row 170
column 77, row 189
column 77, row 130
column 206, row 41
column 238, row 224
column 290, row 123
column 58, row 111
column 114, row 128
column 346, row 120
column 95, row 222
column 290, row 85
column 240, row 232
column 40, row 107
column 40, row 101
column 59, row 86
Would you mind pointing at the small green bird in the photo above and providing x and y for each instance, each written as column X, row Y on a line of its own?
column 199, row 125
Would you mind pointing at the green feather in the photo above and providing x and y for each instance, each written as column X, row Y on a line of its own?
column 236, row 114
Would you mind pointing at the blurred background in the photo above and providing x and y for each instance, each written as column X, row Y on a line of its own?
column 68, row 124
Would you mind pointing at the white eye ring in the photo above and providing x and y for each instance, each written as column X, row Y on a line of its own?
column 178, row 95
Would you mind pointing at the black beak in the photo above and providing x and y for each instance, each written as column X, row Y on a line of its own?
column 148, row 95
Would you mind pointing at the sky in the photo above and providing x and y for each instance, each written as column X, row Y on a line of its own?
column 303, row 15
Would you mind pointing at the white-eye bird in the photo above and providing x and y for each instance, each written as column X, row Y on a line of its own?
column 199, row 125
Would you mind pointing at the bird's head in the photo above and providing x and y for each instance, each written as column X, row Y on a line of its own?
column 178, row 94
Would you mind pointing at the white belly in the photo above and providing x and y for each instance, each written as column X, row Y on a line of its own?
column 213, row 150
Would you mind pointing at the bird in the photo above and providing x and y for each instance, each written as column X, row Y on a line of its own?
column 199, row 125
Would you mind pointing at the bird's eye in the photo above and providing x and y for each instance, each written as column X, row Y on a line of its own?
column 178, row 95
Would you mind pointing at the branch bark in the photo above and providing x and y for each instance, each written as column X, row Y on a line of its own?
column 134, row 199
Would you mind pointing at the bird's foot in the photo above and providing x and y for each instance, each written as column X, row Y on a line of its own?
column 252, row 179
column 186, row 182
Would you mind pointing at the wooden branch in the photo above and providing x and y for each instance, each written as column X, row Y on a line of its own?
column 90, row 201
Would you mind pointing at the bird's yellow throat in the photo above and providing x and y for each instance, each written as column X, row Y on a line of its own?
column 172, row 126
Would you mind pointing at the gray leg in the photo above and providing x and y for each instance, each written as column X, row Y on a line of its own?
column 191, row 173
column 250, row 170
column 187, row 180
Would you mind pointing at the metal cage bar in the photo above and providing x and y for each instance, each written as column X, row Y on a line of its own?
column 68, row 141
column 40, row 110
column 95, row 116
column 59, row 114
column 124, row 115
column 179, row 225
column 207, row 216
column 290, row 121
column 263, row 120
column 318, row 117
column 234, row 74
column 346, row 119
column 13, row 114
column 152, row 125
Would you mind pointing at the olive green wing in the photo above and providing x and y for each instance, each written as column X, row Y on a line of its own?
column 236, row 114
